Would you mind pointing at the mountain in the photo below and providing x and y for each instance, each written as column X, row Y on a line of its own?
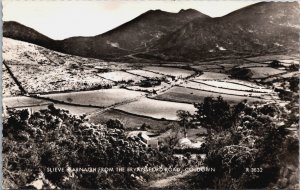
column 20, row 32
column 260, row 28
column 130, row 37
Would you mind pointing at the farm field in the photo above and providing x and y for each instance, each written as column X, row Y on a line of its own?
column 186, row 95
column 288, row 62
column 212, row 75
column 249, row 65
column 100, row 98
column 271, row 58
column 42, row 79
column 9, row 87
column 156, row 108
column 234, row 86
column 170, row 71
column 74, row 110
column 206, row 67
column 291, row 74
column 22, row 101
column 146, row 74
column 163, row 85
column 204, row 87
column 130, row 120
column 263, row 72
column 121, row 76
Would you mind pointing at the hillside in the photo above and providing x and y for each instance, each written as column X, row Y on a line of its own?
column 257, row 29
column 20, row 32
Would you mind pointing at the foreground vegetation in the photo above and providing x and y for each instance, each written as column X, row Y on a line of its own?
column 52, row 138
column 245, row 145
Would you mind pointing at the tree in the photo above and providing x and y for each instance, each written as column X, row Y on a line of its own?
column 214, row 114
column 185, row 119
column 114, row 124
column 275, row 64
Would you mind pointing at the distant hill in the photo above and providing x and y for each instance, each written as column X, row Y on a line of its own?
column 260, row 28
column 20, row 32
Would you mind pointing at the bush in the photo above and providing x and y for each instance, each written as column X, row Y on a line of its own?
column 54, row 138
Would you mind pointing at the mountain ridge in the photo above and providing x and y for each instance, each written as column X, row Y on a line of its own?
column 186, row 35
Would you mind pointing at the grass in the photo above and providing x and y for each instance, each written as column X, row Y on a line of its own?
column 131, row 121
column 156, row 108
column 100, row 98
column 186, row 95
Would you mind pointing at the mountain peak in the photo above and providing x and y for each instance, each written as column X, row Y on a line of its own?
column 188, row 11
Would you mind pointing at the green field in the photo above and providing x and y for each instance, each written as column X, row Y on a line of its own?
column 212, row 75
column 131, row 121
column 186, row 95
column 100, row 98
column 156, row 108
column 207, row 87
column 22, row 101
column 118, row 76
column 263, row 72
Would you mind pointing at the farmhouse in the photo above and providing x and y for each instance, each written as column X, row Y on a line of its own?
column 152, row 143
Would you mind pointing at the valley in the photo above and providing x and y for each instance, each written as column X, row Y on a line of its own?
column 134, row 93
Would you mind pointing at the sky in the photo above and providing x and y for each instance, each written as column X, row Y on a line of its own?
column 62, row 19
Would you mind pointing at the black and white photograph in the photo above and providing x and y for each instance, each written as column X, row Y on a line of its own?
column 151, row 94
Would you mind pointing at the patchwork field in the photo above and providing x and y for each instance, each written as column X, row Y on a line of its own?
column 187, row 95
column 170, row 71
column 156, row 108
column 92, row 86
column 100, row 98
column 130, row 120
